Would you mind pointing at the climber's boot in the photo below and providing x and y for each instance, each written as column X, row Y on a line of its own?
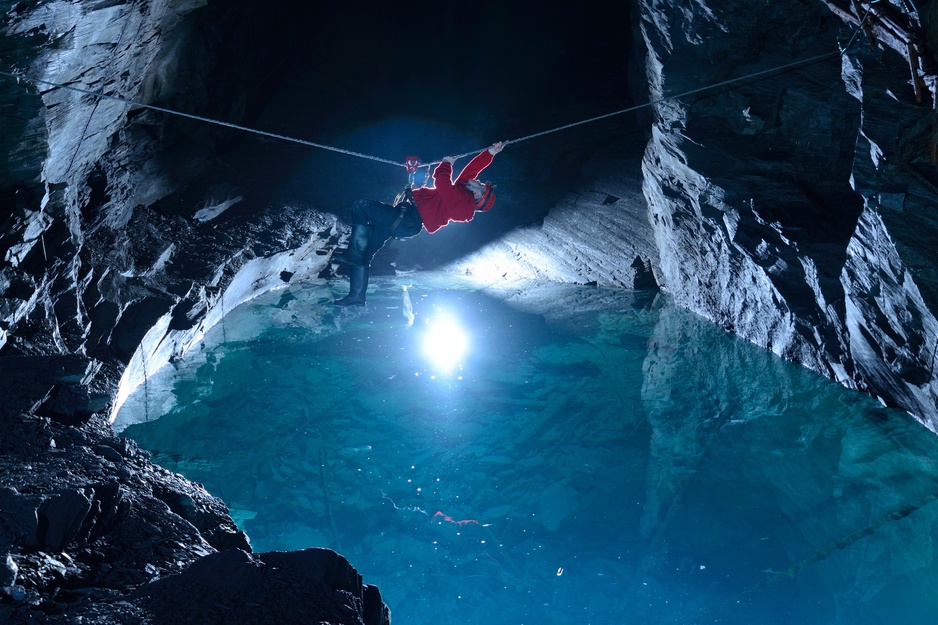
column 358, row 284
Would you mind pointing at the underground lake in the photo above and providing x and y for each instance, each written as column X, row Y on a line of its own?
column 586, row 455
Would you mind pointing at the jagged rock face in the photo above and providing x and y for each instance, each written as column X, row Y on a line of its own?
column 770, row 201
column 85, row 518
column 793, row 207
column 90, row 517
column 100, row 241
column 97, row 499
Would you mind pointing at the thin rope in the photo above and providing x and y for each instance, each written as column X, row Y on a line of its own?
column 724, row 83
column 38, row 81
column 684, row 94
column 763, row 73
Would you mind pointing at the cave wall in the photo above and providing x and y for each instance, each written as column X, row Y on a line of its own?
column 110, row 227
column 791, row 206
column 108, row 233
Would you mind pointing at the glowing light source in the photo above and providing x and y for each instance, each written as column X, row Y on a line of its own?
column 445, row 343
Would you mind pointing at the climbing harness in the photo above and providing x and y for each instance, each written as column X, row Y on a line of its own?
column 412, row 163
column 408, row 222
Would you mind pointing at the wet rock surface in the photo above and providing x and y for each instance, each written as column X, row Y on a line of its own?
column 90, row 528
column 789, row 208
column 276, row 587
column 599, row 235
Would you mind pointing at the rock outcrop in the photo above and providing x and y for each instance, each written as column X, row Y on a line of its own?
column 101, row 244
column 790, row 204
column 85, row 517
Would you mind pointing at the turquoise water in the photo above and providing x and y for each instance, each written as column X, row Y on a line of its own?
column 607, row 460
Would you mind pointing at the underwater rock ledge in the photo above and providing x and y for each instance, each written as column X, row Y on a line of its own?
column 91, row 529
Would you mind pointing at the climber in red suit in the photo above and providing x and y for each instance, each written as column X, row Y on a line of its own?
column 373, row 222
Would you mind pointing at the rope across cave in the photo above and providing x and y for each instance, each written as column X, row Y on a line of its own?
column 754, row 76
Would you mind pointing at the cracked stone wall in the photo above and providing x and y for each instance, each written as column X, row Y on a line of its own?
column 791, row 207
column 97, row 243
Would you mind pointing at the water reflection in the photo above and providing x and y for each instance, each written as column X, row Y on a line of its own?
column 445, row 342
column 610, row 459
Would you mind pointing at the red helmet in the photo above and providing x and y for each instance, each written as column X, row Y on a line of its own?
column 487, row 199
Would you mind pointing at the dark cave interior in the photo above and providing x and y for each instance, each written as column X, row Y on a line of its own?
column 390, row 83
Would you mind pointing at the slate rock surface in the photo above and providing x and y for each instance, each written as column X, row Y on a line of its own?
column 90, row 527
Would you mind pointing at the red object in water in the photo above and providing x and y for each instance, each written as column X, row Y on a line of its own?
column 450, row 519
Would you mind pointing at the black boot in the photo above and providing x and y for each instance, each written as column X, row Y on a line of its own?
column 358, row 284
column 357, row 246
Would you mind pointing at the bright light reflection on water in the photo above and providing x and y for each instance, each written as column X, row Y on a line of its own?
column 445, row 342
column 613, row 460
